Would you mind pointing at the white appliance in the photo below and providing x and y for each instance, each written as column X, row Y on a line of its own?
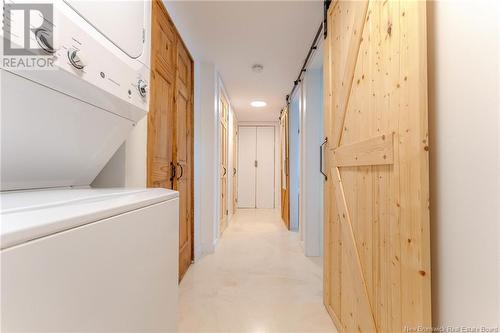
column 75, row 258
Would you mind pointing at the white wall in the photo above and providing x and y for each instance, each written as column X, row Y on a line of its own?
column 277, row 149
column 311, row 180
column 463, row 40
column 207, row 164
column 127, row 167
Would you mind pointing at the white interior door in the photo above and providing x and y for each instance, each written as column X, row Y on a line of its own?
column 247, row 147
column 265, row 168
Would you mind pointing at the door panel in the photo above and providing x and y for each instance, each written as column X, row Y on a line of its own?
column 235, row 166
column 183, row 157
column 224, row 119
column 163, row 41
column 377, row 242
column 247, row 145
column 160, row 131
column 265, row 168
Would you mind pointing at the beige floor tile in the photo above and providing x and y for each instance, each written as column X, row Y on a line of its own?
column 257, row 281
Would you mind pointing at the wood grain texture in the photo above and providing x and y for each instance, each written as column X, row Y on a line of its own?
column 374, row 151
column 285, row 168
column 387, row 199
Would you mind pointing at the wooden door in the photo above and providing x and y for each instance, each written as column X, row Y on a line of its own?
column 183, row 181
column 377, row 247
column 223, row 117
column 161, row 111
column 235, row 166
column 285, row 178
column 170, row 124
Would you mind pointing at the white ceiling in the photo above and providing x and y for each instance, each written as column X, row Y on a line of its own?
column 234, row 35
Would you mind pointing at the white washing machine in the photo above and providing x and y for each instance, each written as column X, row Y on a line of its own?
column 75, row 258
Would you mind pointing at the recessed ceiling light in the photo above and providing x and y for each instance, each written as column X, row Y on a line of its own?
column 258, row 104
column 257, row 68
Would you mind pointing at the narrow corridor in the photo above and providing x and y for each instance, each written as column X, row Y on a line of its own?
column 258, row 280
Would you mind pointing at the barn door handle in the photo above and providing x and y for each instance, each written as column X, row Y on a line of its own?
column 172, row 171
column 321, row 158
column 225, row 171
column 182, row 171
column 234, row 171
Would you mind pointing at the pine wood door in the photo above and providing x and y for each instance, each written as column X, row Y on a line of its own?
column 377, row 243
column 285, row 177
column 183, row 181
column 170, row 124
column 161, row 112
column 223, row 116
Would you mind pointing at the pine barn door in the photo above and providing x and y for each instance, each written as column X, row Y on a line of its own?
column 377, row 243
column 285, row 169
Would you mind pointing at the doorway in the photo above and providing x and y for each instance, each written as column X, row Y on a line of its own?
column 256, row 164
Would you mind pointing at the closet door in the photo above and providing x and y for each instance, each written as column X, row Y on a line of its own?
column 264, row 182
column 224, row 116
column 184, row 157
column 247, row 145
column 170, row 124
column 234, row 199
column 161, row 106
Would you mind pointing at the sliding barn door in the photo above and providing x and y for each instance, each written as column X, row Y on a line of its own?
column 285, row 174
column 377, row 247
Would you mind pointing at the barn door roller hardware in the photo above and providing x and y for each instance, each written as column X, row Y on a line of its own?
column 313, row 47
column 326, row 5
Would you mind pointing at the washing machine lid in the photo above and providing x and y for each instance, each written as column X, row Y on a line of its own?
column 28, row 215
column 125, row 30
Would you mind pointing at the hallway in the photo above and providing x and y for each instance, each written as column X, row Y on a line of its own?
column 258, row 280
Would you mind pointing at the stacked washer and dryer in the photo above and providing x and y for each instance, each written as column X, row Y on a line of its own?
column 76, row 258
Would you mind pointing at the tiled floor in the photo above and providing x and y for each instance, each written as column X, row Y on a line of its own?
column 257, row 281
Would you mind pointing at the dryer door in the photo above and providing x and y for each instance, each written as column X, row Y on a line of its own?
column 122, row 22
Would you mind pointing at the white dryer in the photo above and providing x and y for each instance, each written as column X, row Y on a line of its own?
column 75, row 258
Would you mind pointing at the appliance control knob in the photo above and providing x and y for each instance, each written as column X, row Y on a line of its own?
column 42, row 37
column 75, row 59
column 142, row 86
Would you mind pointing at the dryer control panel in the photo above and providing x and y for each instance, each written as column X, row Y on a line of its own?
column 85, row 59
